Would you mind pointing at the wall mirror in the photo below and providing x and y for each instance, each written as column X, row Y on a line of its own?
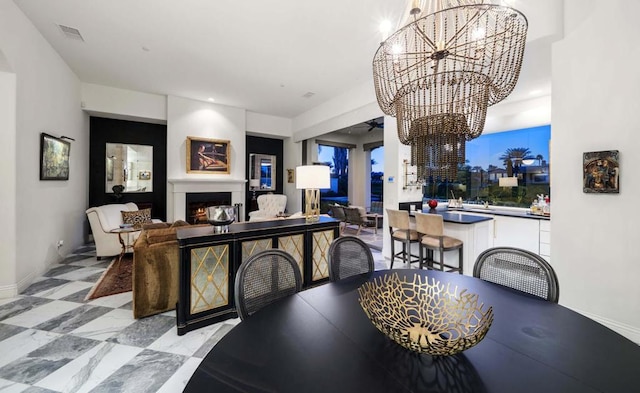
column 130, row 166
column 262, row 173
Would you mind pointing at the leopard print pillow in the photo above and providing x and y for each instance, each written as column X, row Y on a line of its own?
column 137, row 217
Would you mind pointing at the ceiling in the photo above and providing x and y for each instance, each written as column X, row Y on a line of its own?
column 278, row 57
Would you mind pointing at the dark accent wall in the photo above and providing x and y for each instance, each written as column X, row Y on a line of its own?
column 121, row 131
column 260, row 145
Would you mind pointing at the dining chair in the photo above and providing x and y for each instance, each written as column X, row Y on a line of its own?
column 518, row 269
column 264, row 278
column 349, row 256
column 400, row 230
column 430, row 228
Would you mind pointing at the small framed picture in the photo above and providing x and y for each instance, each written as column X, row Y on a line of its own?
column 54, row 158
column 291, row 177
column 601, row 172
column 208, row 156
column 144, row 175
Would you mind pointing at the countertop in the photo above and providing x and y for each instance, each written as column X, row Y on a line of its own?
column 458, row 217
column 499, row 212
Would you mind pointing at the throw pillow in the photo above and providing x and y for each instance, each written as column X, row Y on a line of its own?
column 137, row 217
column 179, row 223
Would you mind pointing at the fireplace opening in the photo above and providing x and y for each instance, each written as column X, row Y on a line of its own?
column 198, row 202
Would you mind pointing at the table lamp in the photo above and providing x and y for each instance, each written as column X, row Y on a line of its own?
column 254, row 184
column 311, row 178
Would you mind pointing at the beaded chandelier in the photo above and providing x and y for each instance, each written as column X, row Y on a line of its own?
column 438, row 74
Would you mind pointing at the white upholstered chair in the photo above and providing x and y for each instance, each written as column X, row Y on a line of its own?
column 103, row 219
column 269, row 205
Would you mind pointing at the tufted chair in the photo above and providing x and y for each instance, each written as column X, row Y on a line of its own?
column 269, row 205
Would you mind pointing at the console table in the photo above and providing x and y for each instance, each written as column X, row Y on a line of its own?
column 209, row 262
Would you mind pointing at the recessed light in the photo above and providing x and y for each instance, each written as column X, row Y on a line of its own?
column 210, row 99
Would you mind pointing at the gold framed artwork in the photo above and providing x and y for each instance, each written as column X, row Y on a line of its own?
column 211, row 156
column 601, row 172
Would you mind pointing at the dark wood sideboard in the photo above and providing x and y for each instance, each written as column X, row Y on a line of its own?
column 209, row 262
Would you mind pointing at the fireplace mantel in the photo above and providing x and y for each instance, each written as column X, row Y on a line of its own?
column 178, row 189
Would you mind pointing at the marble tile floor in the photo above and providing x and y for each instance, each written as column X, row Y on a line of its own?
column 52, row 340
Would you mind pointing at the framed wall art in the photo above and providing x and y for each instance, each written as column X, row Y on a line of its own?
column 54, row 158
column 208, row 156
column 601, row 172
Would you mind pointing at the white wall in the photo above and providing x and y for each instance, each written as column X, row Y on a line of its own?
column 8, row 191
column 111, row 102
column 47, row 100
column 268, row 126
column 595, row 105
column 187, row 117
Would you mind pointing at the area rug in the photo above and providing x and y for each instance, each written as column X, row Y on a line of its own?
column 116, row 279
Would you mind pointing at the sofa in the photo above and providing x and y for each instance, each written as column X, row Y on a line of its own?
column 156, row 263
column 103, row 219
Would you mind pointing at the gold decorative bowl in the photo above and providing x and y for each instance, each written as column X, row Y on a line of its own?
column 425, row 316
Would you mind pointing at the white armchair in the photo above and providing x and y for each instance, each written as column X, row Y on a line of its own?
column 269, row 205
column 103, row 219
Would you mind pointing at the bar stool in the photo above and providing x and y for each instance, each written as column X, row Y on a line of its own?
column 431, row 229
column 400, row 231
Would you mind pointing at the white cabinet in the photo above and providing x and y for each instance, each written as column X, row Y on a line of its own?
column 516, row 232
column 545, row 239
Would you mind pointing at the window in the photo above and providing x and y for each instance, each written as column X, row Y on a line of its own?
column 523, row 154
column 338, row 160
column 377, row 174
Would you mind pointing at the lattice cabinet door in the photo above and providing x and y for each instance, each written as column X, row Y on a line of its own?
column 294, row 245
column 209, row 270
column 251, row 247
column 320, row 242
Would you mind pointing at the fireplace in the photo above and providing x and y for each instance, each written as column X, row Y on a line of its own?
column 179, row 188
column 197, row 203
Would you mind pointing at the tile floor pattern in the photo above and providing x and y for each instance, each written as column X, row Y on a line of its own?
column 52, row 340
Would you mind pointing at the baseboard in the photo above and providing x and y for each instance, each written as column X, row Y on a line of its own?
column 628, row 331
column 8, row 291
column 13, row 290
column 28, row 280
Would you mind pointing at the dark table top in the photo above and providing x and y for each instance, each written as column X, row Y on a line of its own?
column 320, row 340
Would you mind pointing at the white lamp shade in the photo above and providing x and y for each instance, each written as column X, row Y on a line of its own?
column 255, row 183
column 313, row 176
column 508, row 182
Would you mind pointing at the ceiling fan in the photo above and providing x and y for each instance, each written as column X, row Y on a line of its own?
column 373, row 123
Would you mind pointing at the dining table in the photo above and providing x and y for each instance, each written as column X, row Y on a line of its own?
column 320, row 340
